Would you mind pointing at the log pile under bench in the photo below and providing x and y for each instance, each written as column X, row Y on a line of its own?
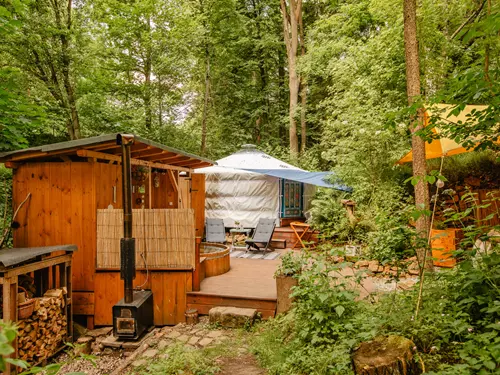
column 43, row 332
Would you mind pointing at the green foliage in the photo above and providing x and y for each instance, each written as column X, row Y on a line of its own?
column 181, row 361
column 291, row 265
column 393, row 238
column 326, row 323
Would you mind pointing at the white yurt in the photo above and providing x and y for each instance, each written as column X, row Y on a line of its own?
column 250, row 184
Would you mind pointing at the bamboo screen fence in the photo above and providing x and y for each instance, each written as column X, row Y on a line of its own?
column 165, row 238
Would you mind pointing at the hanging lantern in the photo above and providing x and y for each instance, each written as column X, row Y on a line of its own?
column 157, row 181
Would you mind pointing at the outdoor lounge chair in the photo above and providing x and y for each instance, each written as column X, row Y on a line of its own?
column 262, row 235
column 215, row 231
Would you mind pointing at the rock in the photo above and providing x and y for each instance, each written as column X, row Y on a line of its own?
column 205, row 341
column 131, row 345
column 104, row 331
column 413, row 272
column 387, row 269
column 386, row 355
column 183, row 338
column 362, row 264
column 139, row 363
column 232, row 317
column 215, row 334
column 165, row 356
column 162, row 344
column 150, row 353
column 173, row 335
column 193, row 340
column 373, row 265
column 112, row 342
column 127, row 354
column 380, row 269
column 107, row 351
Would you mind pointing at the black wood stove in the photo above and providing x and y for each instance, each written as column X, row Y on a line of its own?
column 134, row 313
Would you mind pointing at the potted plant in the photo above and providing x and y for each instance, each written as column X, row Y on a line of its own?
column 286, row 278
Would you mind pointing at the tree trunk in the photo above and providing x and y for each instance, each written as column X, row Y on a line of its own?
column 386, row 355
column 291, row 36
column 303, row 90
column 418, row 144
column 147, row 82
column 487, row 51
column 205, row 107
column 74, row 121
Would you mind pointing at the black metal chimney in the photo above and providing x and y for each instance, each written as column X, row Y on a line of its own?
column 127, row 243
column 134, row 313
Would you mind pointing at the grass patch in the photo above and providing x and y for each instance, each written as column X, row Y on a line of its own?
column 179, row 359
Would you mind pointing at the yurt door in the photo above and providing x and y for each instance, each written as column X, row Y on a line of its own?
column 291, row 198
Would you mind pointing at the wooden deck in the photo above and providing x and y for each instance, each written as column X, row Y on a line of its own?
column 249, row 283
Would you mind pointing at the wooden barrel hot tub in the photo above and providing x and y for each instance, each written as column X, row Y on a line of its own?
column 217, row 258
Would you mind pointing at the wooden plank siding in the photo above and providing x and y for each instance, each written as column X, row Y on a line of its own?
column 65, row 197
column 198, row 202
column 169, row 294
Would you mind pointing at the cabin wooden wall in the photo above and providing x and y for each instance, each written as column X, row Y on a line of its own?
column 169, row 294
column 198, row 202
column 62, row 209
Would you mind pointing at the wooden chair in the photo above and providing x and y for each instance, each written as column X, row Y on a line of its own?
column 262, row 235
column 215, row 231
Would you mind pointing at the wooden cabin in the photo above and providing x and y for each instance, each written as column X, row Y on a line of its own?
column 76, row 198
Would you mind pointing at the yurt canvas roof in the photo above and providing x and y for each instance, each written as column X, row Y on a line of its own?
column 249, row 157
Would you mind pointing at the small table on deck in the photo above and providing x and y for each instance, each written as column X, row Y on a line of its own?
column 238, row 230
column 305, row 231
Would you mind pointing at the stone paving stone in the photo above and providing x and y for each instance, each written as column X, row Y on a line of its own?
column 131, row 345
column 139, row 362
column 112, row 342
column 173, row 335
column 163, row 344
column 215, row 334
column 150, row 353
column 104, row 331
column 183, row 338
column 193, row 340
column 205, row 341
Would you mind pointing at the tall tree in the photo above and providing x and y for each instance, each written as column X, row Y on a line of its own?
column 413, row 93
column 44, row 49
column 292, row 18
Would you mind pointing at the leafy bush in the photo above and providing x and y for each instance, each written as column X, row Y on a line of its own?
column 325, row 324
column 393, row 238
column 291, row 265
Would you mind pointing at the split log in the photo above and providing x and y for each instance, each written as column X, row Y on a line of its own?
column 386, row 355
column 44, row 332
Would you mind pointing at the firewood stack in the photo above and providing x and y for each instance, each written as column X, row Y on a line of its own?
column 44, row 332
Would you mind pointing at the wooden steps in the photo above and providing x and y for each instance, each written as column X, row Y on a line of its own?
column 287, row 234
column 203, row 302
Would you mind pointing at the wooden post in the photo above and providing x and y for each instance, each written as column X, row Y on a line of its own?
column 10, row 312
column 196, row 272
column 69, row 297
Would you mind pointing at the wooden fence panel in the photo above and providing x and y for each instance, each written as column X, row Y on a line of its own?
column 165, row 238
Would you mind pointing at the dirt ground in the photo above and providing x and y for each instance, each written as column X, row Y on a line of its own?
column 242, row 365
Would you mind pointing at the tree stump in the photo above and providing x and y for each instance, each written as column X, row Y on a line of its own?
column 284, row 285
column 386, row 355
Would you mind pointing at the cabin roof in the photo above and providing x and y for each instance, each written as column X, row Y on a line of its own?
column 14, row 256
column 105, row 147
